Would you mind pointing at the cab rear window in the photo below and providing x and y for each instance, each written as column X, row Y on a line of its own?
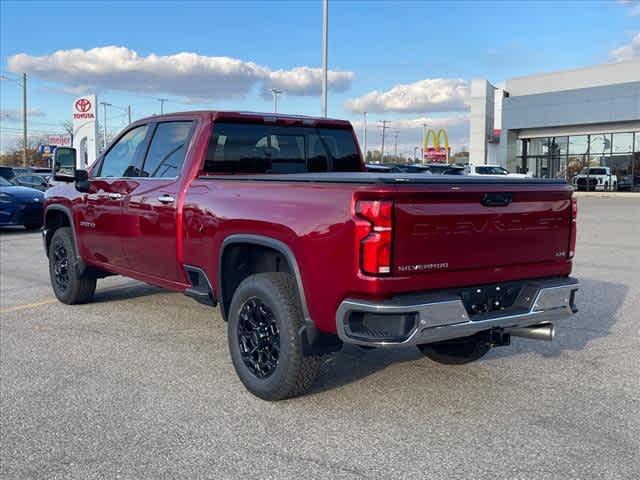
column 260, row 148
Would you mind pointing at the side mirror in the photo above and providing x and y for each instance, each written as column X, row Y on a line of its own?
column 64, row 164
column 81, row 178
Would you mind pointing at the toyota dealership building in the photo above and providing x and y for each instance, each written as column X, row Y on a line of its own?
column 554, row 124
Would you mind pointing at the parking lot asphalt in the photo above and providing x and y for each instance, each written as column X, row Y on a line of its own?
column 138, row 384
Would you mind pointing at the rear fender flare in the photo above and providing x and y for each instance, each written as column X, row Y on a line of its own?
column 281, row 248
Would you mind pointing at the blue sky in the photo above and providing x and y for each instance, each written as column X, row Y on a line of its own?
column 435, row 48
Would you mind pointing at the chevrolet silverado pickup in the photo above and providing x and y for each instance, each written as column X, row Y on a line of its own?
column 275, row 219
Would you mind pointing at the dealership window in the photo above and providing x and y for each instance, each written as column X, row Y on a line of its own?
column 622, row 142
column 578, row 144
column 565, row 157
column 600, row 145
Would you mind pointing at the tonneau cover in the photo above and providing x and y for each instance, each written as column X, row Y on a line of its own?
column 386, row 178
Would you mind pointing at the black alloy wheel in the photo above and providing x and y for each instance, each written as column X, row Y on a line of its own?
column 258, row 338
column 264, row 327
column 69, row 285
column 61, row 266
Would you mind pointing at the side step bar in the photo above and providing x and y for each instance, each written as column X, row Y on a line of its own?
column 200, row 289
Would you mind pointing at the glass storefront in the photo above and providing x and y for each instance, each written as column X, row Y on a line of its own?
column 565, row 157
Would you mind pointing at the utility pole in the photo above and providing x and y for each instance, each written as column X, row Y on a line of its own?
column 415, row 154
column 383, row 125
column 275, row 92
column 24, row 119
column 104, row 128
column 365, row 134
column 129, row 113
column 162, row 100
column 325, row 49
column 395, row 138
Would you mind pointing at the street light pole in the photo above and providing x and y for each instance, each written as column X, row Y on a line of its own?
column 424, row 139
column 24, row 119
column 104, row 128
column 162, row 100
column 365, row 134
column 24, row 113
column 395, row 145
column 325, row 48
column 384, row 124
column 275, row 92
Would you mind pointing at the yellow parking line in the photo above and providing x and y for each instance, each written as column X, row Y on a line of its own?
column 17, row 308
column 25, row 306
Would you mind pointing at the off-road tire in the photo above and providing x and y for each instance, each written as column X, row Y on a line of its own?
column 456, row 352
column 294, row 372
column 78, row 288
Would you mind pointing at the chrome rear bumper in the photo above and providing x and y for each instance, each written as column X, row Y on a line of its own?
column 443, row 316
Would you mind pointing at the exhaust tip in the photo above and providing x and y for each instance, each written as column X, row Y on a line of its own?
column 542, row 331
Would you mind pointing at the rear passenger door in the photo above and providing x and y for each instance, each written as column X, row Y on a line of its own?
column 150, row 209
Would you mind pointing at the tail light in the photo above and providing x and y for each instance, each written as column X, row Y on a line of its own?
column 573, row 227
column 375, row 234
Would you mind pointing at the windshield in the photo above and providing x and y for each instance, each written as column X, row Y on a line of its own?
column 260, row 148
column 5, row 183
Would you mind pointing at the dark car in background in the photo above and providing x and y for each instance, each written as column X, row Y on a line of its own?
column 412, row 168
column 397, row 168
column 428, row 168
column 20, row 205
column 628, row 182
column 33, row 180
column 10, row 173
column 378, row 167
column 445, row 168
column 7, row 173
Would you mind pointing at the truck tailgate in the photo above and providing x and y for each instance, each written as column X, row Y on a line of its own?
column 474, row 226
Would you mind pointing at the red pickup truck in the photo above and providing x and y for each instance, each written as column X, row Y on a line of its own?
column 274, row 218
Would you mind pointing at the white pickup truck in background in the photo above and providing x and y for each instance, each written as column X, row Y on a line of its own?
column 596, row 178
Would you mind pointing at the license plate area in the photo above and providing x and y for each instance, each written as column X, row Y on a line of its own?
column 483, row 300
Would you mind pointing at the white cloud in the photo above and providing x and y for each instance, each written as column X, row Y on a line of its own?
column 428, row 95
column 15, row 114
column 411, row 131
column 629, row 51
column 306, row 81
column 634, row 7
column 185, row 74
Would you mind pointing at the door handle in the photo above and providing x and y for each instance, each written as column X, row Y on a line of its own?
column 166, row 199
column 115, row 196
